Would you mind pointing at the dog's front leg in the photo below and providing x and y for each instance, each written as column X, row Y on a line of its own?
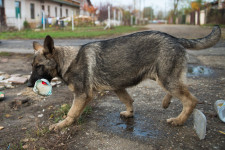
column 127, row 100
column 74, row 113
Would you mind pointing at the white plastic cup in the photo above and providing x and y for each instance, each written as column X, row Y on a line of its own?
column 219, row 106
column 200, row 123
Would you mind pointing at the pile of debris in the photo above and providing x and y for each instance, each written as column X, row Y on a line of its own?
column 11, row 81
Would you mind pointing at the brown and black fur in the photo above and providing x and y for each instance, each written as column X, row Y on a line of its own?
column 119, row 63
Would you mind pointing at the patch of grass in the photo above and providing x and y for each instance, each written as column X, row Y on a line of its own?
column 86, row 112
column 61, row 113
column 42, row 131
column 79, row 32
column 5, row 54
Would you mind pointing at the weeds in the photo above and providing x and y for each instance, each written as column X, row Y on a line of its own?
column 42, row 131
column 86, row 112
column 61, row 113
column 79, row 32
column 5, row 54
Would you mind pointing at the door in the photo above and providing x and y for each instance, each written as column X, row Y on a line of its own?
column 2, row 13
column 18, row 9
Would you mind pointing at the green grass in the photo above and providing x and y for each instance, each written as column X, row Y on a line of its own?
column 79, row 32
column 5, row 54
column 61, row 113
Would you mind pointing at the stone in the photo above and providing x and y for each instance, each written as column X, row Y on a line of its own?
column 1, row 73
column 53, row 84
column 16, row 75
column 2, row 78
column 17, row 80
column 40, row 115
column 26, row 76
column 55, row 79
column 4, row 60
column 9, row 85
column 3, row 82
column 2, row 88
column 6, row 76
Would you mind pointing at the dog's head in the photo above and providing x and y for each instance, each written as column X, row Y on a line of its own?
column 43, row 65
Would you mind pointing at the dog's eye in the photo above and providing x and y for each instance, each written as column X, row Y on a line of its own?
column 38, row 66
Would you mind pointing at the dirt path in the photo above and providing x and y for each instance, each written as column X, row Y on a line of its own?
column 26, row 116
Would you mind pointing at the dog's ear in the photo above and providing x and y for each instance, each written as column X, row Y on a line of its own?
column 48, row 45
column 37, row 46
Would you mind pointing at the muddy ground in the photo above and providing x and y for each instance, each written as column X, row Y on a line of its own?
column 26, row 124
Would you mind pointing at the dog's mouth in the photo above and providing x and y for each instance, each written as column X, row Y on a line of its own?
column 29, row 84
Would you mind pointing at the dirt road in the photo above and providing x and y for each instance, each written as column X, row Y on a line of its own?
column 26, row 116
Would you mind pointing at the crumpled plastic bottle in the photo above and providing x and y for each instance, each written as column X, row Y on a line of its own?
column 219, row 106
column 43, row 87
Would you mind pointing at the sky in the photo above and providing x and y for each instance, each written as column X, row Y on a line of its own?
column 157, row 5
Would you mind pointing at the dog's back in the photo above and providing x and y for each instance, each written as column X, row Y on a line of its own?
column 127, row 60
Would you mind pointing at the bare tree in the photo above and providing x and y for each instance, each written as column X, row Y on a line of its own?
column 103, row 11
column 175, row 10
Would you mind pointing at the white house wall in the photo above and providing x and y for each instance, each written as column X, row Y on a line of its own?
column 26, row 11
column 202, row 17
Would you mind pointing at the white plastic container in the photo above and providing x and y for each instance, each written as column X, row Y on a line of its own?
column 199, row 123
column 219, row 106
column 43, row 87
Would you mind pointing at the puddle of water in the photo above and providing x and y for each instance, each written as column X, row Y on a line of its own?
column 197, row 71
column 131, row 126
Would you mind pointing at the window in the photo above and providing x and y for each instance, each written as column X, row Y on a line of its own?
column 48, row 10
column 1, row 3
column 67, row 13
column 32, row 12
column 18, row 9
column 56, row 12
column 60, row 12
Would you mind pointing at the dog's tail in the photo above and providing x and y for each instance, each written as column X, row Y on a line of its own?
column 202, row 43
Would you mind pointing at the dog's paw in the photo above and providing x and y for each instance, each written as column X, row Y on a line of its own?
column 165, row 104
column 126, row 114
column 54, row 127
column 175, row 121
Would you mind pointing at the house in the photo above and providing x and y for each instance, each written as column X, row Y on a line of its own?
column 13, row 13
column 211, row 13
column 83, row 12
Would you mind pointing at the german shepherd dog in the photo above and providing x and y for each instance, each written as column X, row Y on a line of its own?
column 118, row 63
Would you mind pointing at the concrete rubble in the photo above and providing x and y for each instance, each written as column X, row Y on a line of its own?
column 11, row 81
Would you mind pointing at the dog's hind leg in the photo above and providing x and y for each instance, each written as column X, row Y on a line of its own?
column 166, row 101
column 127, row 100
column 189, row 103
column 74, row 113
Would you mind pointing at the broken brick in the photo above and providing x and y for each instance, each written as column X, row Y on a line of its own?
column 17, row 80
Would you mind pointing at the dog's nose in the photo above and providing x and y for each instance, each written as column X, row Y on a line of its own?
column 30, row 84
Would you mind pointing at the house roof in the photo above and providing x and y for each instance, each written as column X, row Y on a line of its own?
column 67, row 3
